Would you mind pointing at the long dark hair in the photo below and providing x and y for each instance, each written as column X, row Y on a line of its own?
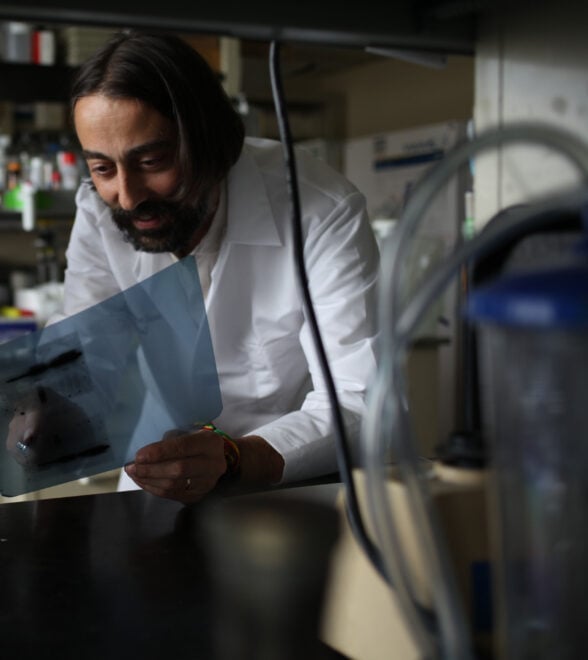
column 165, row 72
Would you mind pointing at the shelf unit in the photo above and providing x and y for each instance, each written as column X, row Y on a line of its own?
column 56, row 212
column 440, row 25
column 26, row 83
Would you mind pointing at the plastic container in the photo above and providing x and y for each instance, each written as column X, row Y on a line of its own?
column 43, row 47
column 13, row 174
column 15, row 322
column 533, row 342
column 17, row 42
column 68, row 168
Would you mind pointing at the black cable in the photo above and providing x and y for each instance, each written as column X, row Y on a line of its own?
column 343, row 453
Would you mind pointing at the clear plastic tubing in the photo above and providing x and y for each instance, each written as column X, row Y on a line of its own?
column 386, row 418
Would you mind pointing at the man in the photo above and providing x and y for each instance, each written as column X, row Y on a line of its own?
column 171, row 176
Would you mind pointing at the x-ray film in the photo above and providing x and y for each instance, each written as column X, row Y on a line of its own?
column 97, row 386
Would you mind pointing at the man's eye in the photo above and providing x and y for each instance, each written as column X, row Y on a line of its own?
column 153, row 161
column 100, row 169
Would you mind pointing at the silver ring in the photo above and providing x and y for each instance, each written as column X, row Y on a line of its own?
column 22, row 447
column 188, row 483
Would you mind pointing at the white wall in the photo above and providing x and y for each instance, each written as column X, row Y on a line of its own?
column 389, row 94
column 531, row 66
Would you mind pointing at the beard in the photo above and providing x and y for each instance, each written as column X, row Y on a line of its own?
column 177, row 225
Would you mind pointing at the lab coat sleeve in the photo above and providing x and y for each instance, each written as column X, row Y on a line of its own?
column 101, row 330
column 88, row 277
column 342, row 262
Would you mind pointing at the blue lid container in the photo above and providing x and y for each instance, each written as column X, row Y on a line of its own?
column 532, row 350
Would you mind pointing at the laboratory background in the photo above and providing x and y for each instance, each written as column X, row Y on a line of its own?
column 343, row 107
column 462, row 118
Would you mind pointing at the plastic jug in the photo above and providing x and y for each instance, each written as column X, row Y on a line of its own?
column 533, row 355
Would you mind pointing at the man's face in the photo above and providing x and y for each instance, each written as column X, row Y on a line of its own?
column 130, row 149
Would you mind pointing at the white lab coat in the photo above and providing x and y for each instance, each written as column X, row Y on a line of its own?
column 271, row 382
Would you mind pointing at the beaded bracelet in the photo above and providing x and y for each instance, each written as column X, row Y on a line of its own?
column 232, row 452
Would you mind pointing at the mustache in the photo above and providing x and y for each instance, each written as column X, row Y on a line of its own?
column 143, row 210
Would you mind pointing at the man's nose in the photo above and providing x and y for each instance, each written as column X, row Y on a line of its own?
column 131, row 191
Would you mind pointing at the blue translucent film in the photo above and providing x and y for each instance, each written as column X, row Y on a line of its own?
column 99, row 385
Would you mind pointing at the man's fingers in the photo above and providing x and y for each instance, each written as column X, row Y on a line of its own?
column 178, row 469
column 158, row 480
column 178, row 444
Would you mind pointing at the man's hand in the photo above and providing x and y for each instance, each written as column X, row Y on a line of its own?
column 183, row 466
column 187, row 465
column 46, row 428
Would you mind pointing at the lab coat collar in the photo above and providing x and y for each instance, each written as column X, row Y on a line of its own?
column 250, row 217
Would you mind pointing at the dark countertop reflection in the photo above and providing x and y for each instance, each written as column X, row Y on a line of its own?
column 118, row 575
